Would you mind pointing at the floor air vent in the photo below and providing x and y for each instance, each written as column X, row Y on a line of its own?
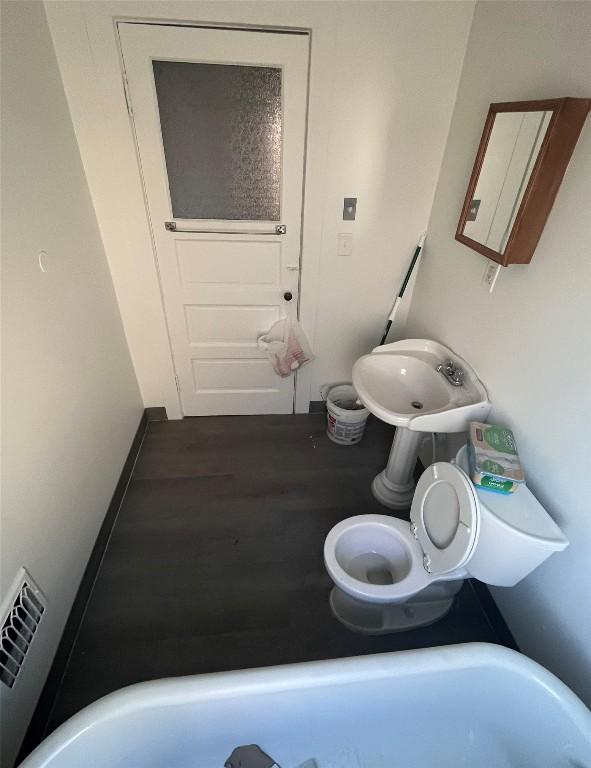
column 20, row 620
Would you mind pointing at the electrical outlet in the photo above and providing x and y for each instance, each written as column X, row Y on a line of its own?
column 489, row 278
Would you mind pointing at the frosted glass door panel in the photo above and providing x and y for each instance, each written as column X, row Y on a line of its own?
column 221, row 128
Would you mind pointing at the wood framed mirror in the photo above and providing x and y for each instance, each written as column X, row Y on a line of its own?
column 523, row 154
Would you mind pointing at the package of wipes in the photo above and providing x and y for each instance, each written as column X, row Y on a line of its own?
column 494, row 463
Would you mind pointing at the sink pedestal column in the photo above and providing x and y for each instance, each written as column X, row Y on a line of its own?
column 394, row 486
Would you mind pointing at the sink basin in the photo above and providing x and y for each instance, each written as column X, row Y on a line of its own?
column 400, row 385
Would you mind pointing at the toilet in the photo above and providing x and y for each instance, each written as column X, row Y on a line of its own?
column 391, row 576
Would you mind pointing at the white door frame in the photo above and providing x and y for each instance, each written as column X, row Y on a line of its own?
column 302, row 383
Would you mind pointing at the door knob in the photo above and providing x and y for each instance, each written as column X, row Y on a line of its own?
column 288, row 296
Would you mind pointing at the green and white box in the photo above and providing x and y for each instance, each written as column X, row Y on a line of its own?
column 494, row 463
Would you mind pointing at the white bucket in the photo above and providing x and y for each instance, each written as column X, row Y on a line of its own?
column 345, row 417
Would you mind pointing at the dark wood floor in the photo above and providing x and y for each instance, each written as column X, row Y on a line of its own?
column 215, row 561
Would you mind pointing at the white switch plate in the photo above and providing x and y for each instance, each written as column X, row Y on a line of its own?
column 344, row 244
column 489, row 278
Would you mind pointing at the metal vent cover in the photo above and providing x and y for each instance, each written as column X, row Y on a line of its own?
column 20, row 618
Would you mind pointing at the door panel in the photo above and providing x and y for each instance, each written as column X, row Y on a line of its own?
column 221, row 374
column 219, row 119
column 226, row 324
column 228, row 263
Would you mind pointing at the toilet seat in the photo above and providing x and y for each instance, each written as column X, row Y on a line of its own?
column 445, row 517
column 413, row 580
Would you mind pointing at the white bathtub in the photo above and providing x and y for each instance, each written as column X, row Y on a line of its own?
column 474, row 705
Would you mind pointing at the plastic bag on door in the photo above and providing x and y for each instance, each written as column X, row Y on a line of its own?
column 286, row 346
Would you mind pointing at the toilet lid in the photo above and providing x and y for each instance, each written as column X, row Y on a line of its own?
column 444, row 517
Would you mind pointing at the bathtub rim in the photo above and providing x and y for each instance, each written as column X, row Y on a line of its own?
column 178, row 691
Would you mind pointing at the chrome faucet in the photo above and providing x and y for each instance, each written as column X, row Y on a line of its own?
column 452, row 372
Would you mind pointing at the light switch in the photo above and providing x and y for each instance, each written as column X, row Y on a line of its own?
column 349, row 208
column 345, row 244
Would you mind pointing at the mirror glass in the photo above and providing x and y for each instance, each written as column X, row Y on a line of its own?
column 511, row 154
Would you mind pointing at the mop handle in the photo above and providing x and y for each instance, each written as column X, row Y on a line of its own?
column 405, row 282
column 416, row 255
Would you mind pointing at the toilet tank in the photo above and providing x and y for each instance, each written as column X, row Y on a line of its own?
column 516, row 534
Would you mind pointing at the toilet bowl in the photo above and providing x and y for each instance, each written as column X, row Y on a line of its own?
column 390, row 575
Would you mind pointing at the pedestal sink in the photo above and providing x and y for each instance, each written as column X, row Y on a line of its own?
column 400, row 384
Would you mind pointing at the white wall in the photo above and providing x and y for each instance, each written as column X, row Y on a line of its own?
column 530, row 341
column 383, row 82
column 70, row 401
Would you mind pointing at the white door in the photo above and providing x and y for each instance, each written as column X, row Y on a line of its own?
column 219, row 117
